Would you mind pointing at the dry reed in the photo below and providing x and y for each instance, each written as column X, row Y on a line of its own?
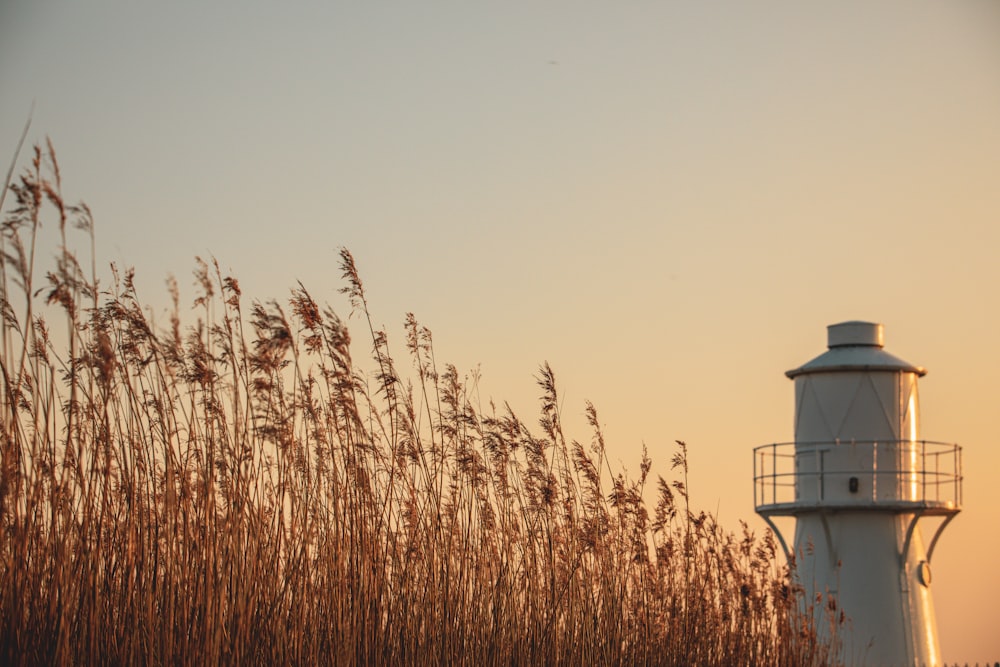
column 238, row 491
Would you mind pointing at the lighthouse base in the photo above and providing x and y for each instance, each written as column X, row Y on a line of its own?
column 869, row 585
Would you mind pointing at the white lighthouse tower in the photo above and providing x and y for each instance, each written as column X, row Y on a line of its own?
column 858, row 480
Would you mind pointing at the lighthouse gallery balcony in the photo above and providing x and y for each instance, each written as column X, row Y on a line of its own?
column 897, row 476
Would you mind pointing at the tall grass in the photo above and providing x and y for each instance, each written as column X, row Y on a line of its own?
column 236, row 490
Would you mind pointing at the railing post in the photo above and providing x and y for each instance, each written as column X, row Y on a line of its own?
column 760, row 480
column 763, row 488
column 957, row 480
column 774, row 472
column 923, row 470
column 935, row 476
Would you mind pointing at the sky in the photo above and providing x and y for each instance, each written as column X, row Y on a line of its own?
column 667, row 201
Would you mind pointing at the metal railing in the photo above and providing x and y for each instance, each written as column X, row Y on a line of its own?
column 897, row 474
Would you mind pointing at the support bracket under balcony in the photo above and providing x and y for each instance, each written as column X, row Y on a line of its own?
column 937, row 534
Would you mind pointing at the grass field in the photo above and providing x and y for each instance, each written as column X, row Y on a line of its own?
column 236, row 489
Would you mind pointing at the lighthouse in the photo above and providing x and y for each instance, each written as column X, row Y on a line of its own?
column 862, row 485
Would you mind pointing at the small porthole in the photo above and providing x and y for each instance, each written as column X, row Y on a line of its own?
column 924, row 573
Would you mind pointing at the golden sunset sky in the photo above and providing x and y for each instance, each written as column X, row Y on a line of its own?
column 667, row 201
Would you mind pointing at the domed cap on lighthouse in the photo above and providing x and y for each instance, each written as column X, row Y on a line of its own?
column 854, row 346
column 855, row 333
